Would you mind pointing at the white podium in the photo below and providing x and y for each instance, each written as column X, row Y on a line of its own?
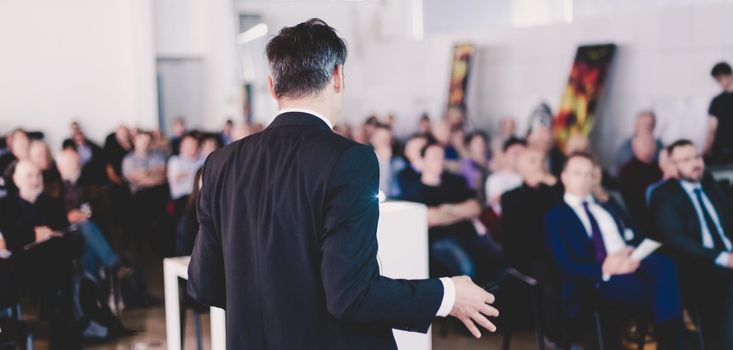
column 402, row 234
column 403, row 253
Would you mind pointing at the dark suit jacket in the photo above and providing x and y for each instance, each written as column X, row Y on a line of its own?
column 523, row 210
column 287, row 244
column 677, row 223
column 573, row 253
column 18, row 219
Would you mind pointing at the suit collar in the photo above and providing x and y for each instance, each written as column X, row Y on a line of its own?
column 308, row 111
column 575, row 201
column 617, row 219
column 298, row 117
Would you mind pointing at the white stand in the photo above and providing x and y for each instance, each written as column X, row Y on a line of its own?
column 173, row 269
column 403, row 253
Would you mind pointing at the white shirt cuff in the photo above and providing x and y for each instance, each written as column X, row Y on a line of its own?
column 449, row 297
column 722, row 259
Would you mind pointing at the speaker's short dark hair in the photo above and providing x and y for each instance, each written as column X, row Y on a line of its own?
column 678, row 143
column 303, row 58
column 580, row 154
column 720, row 69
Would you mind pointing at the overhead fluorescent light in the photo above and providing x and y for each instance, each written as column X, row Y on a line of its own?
column 253, row 33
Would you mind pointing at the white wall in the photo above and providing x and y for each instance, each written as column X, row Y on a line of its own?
column 76, row 59
column 663, row 62
column 204, row 30
column 368, row 28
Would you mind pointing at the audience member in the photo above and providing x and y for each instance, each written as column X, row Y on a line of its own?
column 540, row 137
column 40, row 155
column 210, row 143
column 523, row 212
column 178, row 131
column 576, row 143
column 442, row 134
column 694, row 218
column 455, row 245
column 455, row 117
column 31, row 217
column 116, row 146
column 81, row 202
column 721, row 114
column 458, row 143
column 424, row 126
column 409, row 176
column 644, row 125
column 18, row 144
column 90, row 154
column 145, row 171
column 181, row 171
column 227, row 133
column 506, row 178
column 507, row 130
column 389, row 163
column 588, row 244
column 636, row 175
column 669, row 171
column 475, row 167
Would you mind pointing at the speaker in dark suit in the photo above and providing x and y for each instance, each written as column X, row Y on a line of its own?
column 694, row 219
column 288, row 218
column 591, row 246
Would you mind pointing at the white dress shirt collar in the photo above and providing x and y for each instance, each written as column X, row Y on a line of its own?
column 690, row 187
column 576, row 201
column 308, row 111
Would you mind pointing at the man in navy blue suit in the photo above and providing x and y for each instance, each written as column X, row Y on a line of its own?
column 693, row 215
column 592, row 247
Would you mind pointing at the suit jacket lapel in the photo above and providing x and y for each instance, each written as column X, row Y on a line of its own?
column 687, row 206
column 720, row 206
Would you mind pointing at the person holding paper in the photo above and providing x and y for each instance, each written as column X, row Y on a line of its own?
column 588, row 242
column 694, row 217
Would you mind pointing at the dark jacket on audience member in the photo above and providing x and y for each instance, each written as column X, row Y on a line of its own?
column 452, row 190
column 19, row 218
column 574, row 255
column 287, row 244
column 523, row 212
column 634, row 178
column 677, row 223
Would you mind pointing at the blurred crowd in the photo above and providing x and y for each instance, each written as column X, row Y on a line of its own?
column 509, row 199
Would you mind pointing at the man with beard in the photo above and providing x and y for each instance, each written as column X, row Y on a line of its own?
column 695, row 220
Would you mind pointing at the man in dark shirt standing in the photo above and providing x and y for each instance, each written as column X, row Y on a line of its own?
column 721, row 110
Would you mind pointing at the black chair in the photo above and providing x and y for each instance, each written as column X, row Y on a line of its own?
column 14, row 333
column 536, row 302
